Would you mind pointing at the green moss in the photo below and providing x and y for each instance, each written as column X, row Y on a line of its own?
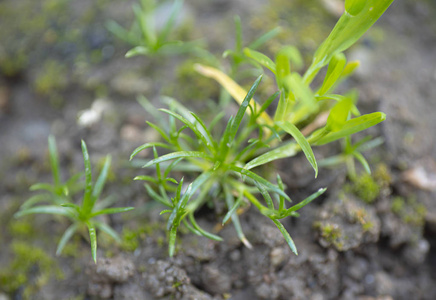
column 20, row 272
column 331, row 233
column 366, row 188
column 51, row 79
column 410, row 211
column 22, row 228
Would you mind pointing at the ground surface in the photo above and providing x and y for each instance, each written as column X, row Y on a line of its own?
column 55, row 66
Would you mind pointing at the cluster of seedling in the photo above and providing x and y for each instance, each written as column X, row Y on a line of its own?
column 220, row 155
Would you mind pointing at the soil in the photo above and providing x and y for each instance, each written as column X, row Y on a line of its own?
column 63, row 73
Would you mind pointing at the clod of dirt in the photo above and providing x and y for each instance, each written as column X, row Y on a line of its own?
column 215, row 281
column 163, row 278
column 346, row 223
column 106, row 272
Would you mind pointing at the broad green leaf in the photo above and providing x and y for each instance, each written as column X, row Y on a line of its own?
column 174, row 155
column 98, row 188
column 361, row 15
column 260, row 58
column 66, row 237
column 109, row 211
column 339, row 115
column 87, row 205
column 54, row 160
column 302, row 141
column 93, row 240
column 334, row 72
column 352, row 126
column 286, row 235
column 237, row 92
column 45, row 209
column 287, row 150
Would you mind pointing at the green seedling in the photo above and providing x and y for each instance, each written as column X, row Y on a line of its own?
column 59, row 192
column 219, row 163
column 146, row 38
column 223, row 165
column 84, row 215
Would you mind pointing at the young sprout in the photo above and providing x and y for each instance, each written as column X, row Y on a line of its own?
column 83, row 215
column 144, row 35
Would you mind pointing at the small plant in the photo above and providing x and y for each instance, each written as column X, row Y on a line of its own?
column 310, row 116
column 145, row 37
column 82, row 216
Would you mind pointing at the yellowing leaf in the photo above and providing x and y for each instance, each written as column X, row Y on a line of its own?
column 234, row 89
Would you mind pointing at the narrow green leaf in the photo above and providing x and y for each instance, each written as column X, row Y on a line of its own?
column 145, row 18
column 261, row 59
column 264, row 38
column 165, row 211
column 101, row 180
column 232, row 210
column 172, row 240
column 36, row 199
column 108, row 230
column 305, row 100
column 109, row 211
column 201, row 135
column 202, row 231
column 175, row 9
column 205, row 129
column 93, row 240
column 66, row 237
column 45, row 209
column 362, row 161
column 42, row 186
column 54, row 160
column 146, row 178
column 259, row 179
column 301, row 140
column 87, row 205
column 238, row 34
column 241, row 111
column 156, row 197
column 265, row 195
column 148, row 145
column 352, row 126
column 174, row 155
column 286, row 236
column 306, row 201
column 138, row 50
column 286, row 150
column 334, row 72
column 160, row 131
column 267, row 103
